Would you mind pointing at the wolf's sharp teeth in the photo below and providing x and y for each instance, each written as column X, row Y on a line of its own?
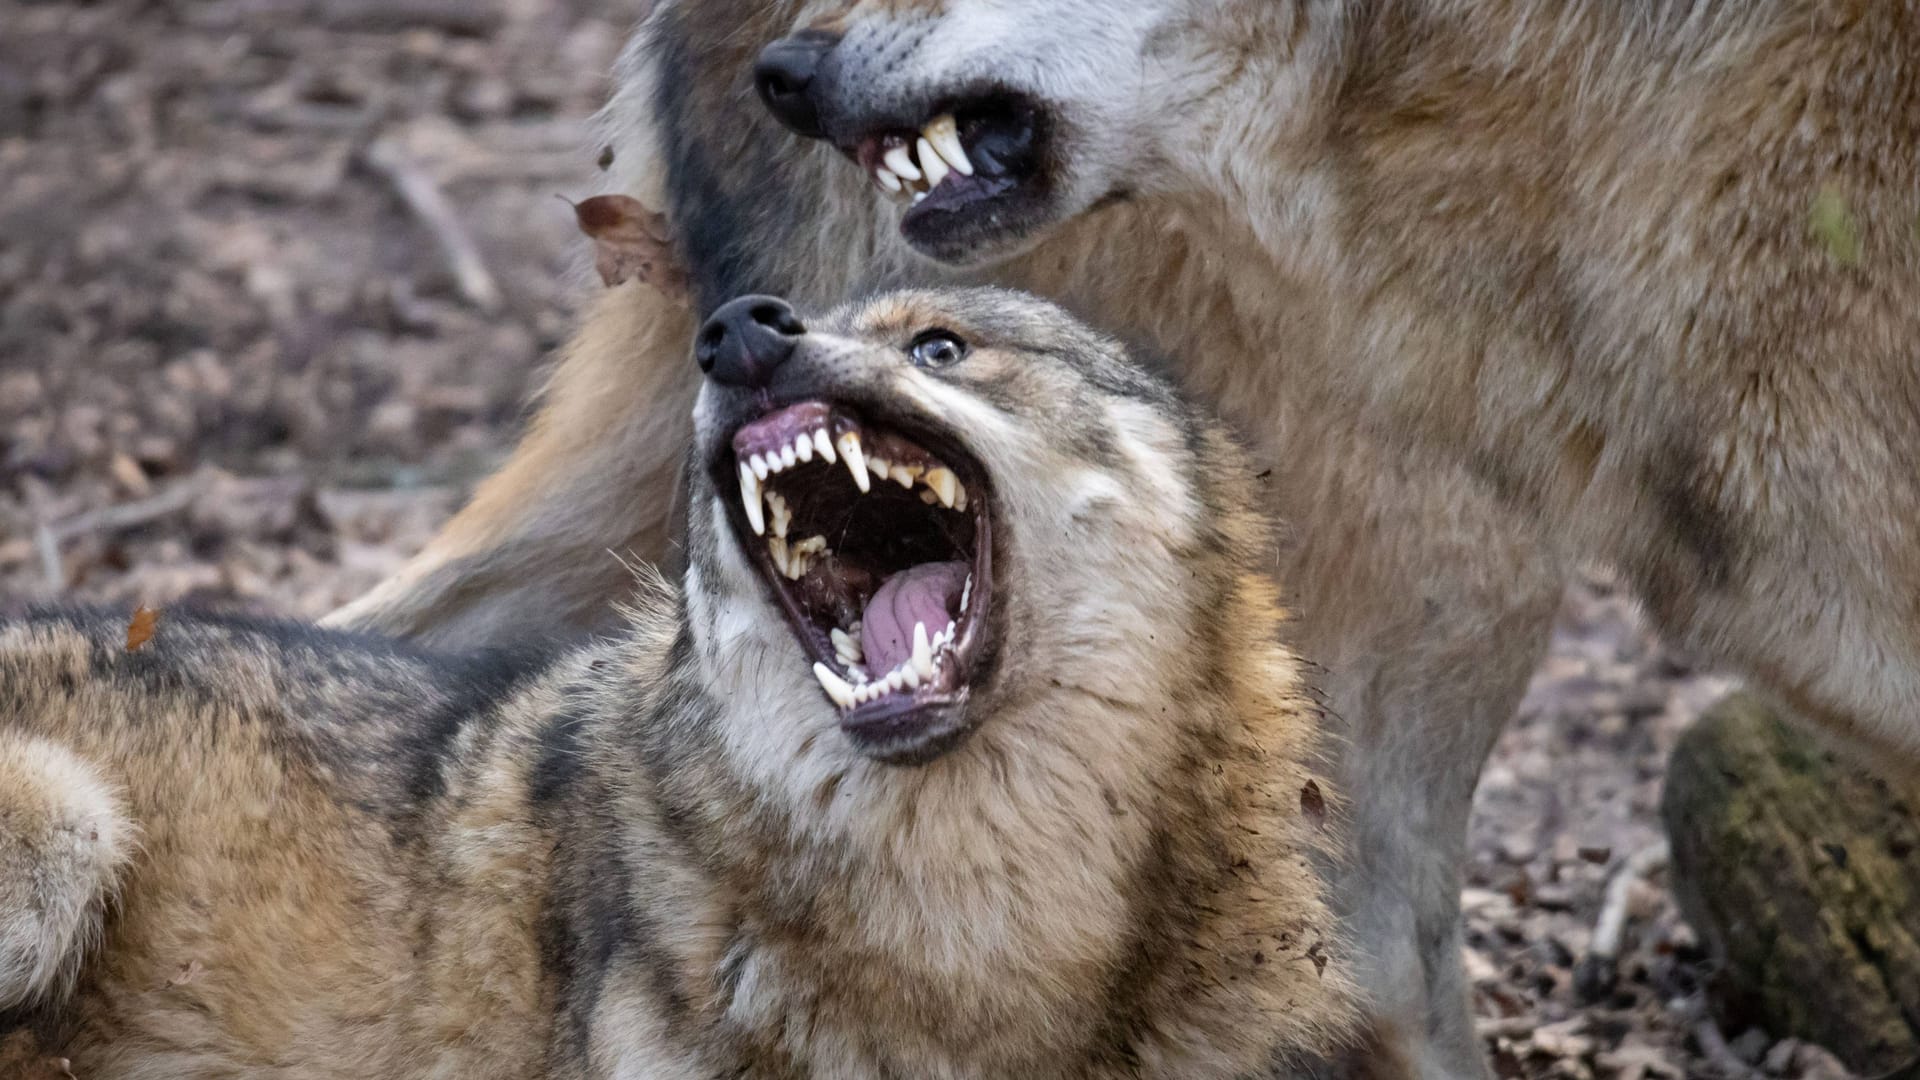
column 944, row 135
column 878, row 467
column 896, row 678
column 812, row 545
column 856, row 462
column 917, row 196
column 929, row 498
column 885, row 178
column 944, row 484
column 803, row 446
column 788, row 457
column 846, row 645
column 777, row 547
column 750, row 498
column 760, row 467
column 966, row 593
column 782, row 514
column 960, row 498
column 901, row 475
column 900, row 160
column 936, row 165
column 823, row 445
column 837, row 688
column 922, row 651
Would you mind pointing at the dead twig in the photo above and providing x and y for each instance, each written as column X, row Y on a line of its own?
column 424, row 198
column 49, row 537
column 1599, row 969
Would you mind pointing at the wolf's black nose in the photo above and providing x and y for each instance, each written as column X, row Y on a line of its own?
column 784, row 76
column 746, row 339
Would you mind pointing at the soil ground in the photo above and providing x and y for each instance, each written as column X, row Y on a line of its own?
column 237, row 368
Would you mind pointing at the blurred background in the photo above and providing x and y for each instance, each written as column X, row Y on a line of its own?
column 277, row 278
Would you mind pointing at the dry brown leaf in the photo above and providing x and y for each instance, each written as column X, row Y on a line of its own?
column 631, row 241
column 140, row 629
column 188, row 972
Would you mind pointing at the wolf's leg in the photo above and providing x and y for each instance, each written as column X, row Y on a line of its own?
column 1429, row 606
column 538, row 551
column 63, row 838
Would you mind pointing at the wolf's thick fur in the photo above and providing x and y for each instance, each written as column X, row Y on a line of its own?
column 658, row 855
column 1496, row 285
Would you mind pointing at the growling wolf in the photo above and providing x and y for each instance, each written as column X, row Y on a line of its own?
column 1498, row 286
column 967, row 748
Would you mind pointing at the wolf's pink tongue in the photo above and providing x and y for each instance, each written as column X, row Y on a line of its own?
column 928, row 593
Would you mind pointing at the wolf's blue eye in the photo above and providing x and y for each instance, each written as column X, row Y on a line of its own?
column 936, row 348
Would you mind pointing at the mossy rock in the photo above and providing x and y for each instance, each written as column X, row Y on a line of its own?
column 1801, row 874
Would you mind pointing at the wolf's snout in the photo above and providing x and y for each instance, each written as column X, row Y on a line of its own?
column 784, row 76
column 746, row 339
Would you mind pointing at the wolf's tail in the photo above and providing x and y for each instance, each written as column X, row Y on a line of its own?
column 64, row 834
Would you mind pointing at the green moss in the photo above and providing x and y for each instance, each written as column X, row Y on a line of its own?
column 1801, row 875
column 1831, row 220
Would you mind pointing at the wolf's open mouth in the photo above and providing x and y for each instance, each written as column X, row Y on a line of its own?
column 977, row 167
column 879, row 552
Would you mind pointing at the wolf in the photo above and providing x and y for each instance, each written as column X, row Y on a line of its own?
column 966, row 747
column 1498, row 289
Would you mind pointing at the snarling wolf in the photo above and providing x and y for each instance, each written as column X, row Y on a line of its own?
column 1496, row 286
column 967, row 748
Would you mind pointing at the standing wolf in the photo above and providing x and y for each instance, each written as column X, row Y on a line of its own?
column 1495, row 285
column 966, row 750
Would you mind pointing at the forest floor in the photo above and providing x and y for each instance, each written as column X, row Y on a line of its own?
column 238, row 368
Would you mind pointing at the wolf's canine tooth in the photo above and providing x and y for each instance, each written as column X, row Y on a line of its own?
column 943, row 134
column 922, row 651
column 856, row 462
column 750, row 498
column 837, row 688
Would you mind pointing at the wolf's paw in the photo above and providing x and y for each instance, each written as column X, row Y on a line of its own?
column 63, row 837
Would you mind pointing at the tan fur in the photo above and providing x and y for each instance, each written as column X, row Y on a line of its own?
column 63, row 838
column 659, row 856
column 1496, row 286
